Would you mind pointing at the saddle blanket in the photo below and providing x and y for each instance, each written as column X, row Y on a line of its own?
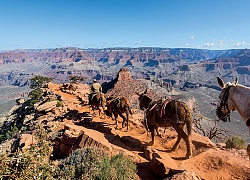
column 162, row 107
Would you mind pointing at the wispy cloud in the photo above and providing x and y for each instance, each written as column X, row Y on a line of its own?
column 208, row 45
column 119, row 43
column 104, row 44
column 191, row 38
column 186, row 45
column 138, row 42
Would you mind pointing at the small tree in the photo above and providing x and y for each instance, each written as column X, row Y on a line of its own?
column 39, row 81
column 76, row 79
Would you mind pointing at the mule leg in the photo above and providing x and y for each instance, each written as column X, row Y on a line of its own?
column 123, row 117
column 157, row 131
column 152, row 130
column 127, row 113
column 182, row 134
column 116, row 119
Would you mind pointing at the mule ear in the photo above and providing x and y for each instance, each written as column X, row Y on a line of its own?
column 236, row 80
column 146, row 91
column 138, row 93
column 220, row 82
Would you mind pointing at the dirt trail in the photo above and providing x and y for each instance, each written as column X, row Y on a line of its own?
column 210, row 163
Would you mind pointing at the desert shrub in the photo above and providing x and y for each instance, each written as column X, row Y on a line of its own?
column 118, row 167
column 76, row 79
column 81, row 164
column 59, row 103
column 93, row 163
column 9, row 133
column 35, row 96
column 235, row 142
column 32, row 164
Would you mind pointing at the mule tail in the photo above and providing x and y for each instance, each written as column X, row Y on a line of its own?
column 189, row 124
column 189, row 119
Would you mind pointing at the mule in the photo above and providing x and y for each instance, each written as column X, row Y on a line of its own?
column 233, row 96
column 169, row 113
column 117, row 107
column 98, row 102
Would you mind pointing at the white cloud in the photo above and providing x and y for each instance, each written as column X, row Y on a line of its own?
column 191, row 38
column 220, row 43
column 186, row 45
column 237, row 44
column 208, row 45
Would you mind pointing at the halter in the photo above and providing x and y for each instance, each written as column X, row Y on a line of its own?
column 224, row 103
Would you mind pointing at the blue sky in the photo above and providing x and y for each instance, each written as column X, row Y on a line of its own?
column 206, row 24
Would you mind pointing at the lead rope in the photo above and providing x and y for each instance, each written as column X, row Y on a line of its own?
column 145, row 121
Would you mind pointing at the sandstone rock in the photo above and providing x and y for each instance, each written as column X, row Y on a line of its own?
column 185, row 175
column 201, row 141
column 162, row 164
column 48, row 106
column 20, row 101
column 23, row 142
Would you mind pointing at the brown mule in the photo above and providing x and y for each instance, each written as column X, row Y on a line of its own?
column 117, row 107
column 175, row 114
column 98, row 102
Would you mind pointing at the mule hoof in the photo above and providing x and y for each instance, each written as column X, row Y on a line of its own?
column 151, row 143
column 174, row 148
column 188, row 156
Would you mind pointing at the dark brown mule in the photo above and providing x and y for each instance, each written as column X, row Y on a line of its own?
column 98, row 102
column 175, row 114
column 117, row 107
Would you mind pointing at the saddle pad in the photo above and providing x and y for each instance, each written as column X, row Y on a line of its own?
column 162, row 109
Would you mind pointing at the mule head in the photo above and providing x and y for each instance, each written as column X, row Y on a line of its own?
column 144, row 100
column 223, row 111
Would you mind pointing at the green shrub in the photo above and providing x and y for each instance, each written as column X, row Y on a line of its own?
column 118, row 167
column 59, row 103
column 93, row 163
column 9, row 133
column 235, row 142
column 39, row 81
column 81, row 164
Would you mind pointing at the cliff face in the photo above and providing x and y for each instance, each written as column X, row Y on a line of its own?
column 102, row 64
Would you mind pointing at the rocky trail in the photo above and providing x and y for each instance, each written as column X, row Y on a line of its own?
column 210, row 161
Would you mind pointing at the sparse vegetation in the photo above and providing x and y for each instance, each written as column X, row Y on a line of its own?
column 87, row 163
column 76, row 79
column 31, row 164
column 235, row 142
column 93, row 163
column 11, row 132
column 212, row 131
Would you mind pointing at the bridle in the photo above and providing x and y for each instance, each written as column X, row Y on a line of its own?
column 224, row 103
